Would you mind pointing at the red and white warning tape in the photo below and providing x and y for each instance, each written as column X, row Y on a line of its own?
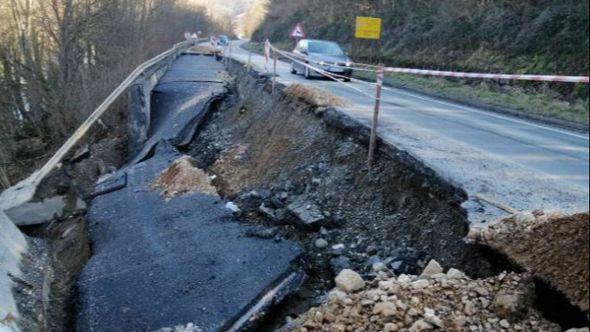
column 539, row 78
column 426, row 72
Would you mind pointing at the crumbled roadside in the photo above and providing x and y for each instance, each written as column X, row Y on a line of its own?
column 552, row 246
column 434, row 300
column 183, row 178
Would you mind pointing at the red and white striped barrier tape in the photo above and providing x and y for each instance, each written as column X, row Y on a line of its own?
column 427, row 72
column 539, row 78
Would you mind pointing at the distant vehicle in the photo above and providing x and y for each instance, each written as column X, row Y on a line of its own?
column 324, row 54
column 222, row 40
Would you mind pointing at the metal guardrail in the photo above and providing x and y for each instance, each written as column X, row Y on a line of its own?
column 99, row 111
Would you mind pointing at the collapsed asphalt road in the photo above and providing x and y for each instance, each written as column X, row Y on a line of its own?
column 162, row 261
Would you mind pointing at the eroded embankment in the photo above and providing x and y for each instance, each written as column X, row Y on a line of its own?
column 59, row 249
column 301, row 169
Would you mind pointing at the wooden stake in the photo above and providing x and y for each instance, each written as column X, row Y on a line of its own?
column 373, row 141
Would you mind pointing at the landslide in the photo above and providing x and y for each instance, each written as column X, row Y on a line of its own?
column 284, row 162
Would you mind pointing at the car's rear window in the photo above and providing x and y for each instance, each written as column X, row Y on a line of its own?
column 326, row 48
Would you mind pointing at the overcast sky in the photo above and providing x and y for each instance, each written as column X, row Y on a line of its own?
column 219, row 8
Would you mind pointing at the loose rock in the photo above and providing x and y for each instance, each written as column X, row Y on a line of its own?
column 431, row 269
column 349, row 281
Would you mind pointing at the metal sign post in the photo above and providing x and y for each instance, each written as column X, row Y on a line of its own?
column 373, row 141
column 225, row 56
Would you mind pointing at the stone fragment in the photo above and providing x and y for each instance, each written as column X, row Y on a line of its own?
column 379, row 266
column 308, row 215
column 421, row 325
column 455, row 274
column 320, row 243
column 339, row 263
column 267, row 212
column 431, row 269
column 419, row 284
column 510, row 305
column 385, row 309
column 390, row 327
column 232, row 207
column 431, row 317
column 349, row 281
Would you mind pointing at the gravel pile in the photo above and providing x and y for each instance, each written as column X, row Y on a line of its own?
column 432, row 301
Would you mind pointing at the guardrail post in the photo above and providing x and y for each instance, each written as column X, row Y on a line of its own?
column 373, row 141
column 230, row 52
column 225, row 56
column 274, row 71
column 249, row 66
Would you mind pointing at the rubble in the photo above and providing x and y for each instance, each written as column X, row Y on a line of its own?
column 183, row 178
column 349, row 281
column 443, row 302
column 560, row 259
column 321, row 243
column 431, row 269
column 308, row 214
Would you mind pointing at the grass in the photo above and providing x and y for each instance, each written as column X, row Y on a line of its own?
column 512, row 97
column 314, row 97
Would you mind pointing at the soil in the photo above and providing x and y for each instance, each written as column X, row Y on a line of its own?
column 77, row 177
column 267, row 152
column 183, row 178
column 59, row 249
column 557, row 259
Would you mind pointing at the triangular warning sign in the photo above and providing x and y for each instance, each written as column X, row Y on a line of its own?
column 297, row 31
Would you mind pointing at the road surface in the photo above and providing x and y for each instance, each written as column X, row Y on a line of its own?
column 161, row 262
column 518, row 163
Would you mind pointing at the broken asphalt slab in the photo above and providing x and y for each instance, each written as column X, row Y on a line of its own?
column 160, row 262
column 178, row 104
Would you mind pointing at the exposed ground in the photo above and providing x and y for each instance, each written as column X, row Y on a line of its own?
column 289, row 163
column 432, row 301
column 183, row 178
column 276, row 156
column 552, row 246
column 59, row 249
column 278, row 152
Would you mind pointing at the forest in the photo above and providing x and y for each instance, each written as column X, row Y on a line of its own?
column 60, row 58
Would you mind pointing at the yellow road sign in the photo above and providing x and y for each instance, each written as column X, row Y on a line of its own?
column 368, row 27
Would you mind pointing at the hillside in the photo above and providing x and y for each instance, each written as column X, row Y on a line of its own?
column 493, row 36
column 541, row 36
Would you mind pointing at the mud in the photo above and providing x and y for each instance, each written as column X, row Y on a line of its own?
column 279, row 147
